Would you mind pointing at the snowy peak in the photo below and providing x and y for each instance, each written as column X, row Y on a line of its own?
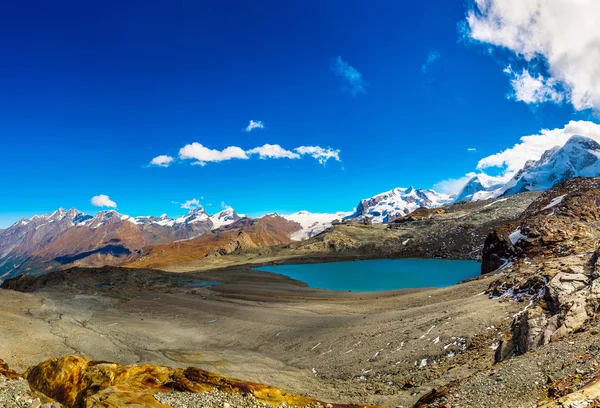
column 386, row 207
column 104, row 218
column 579, row 157
column 313, row 223
column 480, row 187
column 225, row 217
column 193, row 216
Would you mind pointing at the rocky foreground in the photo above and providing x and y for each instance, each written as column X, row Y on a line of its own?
column 548, row 260
column 75, row 381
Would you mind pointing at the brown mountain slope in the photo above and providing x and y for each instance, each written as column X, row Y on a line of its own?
column 245, row 233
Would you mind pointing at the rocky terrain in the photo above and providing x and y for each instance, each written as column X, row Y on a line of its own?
column 549, row 261
column 74, row 381
column 377, row 348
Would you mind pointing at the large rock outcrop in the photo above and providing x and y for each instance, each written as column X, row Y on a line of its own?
column 551, row 261
column 79, row 382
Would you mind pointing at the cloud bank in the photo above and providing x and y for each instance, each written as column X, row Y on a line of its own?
column 533, row 146
column 557, row 41
column 103, row 200
column 353, row 80
column 530, row 147
column 201, row 155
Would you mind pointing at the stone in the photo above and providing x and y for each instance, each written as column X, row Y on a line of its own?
column 78, row 381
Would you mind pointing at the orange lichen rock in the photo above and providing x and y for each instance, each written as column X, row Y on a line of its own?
column 7, row 372
column 79, row 382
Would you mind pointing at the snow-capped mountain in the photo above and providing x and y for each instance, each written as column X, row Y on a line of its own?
column 480, row 187
column 72, row 237
column 313, row 223
column 388, row 206
column 225, row 217
column 579, row 157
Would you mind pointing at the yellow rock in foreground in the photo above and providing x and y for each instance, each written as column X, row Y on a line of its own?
column 79, row 382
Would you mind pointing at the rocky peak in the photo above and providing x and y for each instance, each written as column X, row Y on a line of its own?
column 224, row 217
column 396, row 203
column 193, row 216
column 480, row 187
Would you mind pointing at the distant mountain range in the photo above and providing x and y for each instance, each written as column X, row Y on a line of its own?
column 70, row 237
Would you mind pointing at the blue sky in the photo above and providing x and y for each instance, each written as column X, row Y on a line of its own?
column 92, row 92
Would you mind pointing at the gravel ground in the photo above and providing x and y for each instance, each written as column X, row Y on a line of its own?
column 215, row 398
column 17, row 394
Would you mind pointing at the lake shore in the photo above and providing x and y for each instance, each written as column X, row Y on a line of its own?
column 384, row 348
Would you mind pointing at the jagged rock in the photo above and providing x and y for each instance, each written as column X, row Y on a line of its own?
column 506, row 348
column 564, row 284
column 550, row 246
column 529, row 330
column 497, row 251
column 7, row 372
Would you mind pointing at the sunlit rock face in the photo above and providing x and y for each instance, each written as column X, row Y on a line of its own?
column 79, row 382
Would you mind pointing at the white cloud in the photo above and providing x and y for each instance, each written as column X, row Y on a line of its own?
column 453, row 185
column 431, row 58
column 534, row 90
column 513, row 159
column 254, row 124
column 533, row 146
column 319, row 153
column 353, row 80
column 201, row 155
column 103, row 200
column 204, row 155
column 162, row 161
column 273, row 152
column 561, row 36
column 191, row 204
column 471, row 149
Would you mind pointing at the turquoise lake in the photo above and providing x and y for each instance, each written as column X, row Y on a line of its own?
column 379, row 274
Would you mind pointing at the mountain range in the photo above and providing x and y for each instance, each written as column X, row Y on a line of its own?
column 69, row 237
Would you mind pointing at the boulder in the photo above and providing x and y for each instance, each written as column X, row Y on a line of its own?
column 79, row 382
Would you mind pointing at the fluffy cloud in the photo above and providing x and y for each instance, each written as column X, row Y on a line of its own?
column 353, row 80
column 103, row 200
column 533, row 90
column 191, row 204
column 531, row 147
column 513, row 159
column 431, row 58
column 204, row 155
column 201, row 155
column 317, row 152
column 471, row 149
column 562, row 37
column 162, row 161
column 254, row 124
column 275, row 151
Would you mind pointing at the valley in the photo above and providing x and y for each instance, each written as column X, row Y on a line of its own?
column 183, row 293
